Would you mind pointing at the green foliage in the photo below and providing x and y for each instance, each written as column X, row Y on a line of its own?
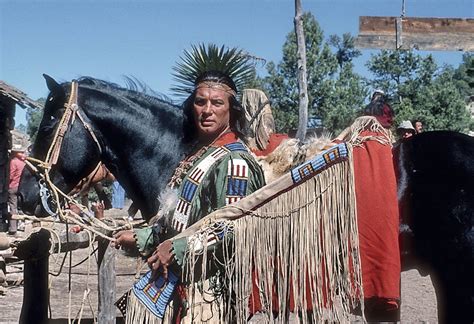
column 395, row 72
column 254, row 82
column 335, row 91
column 92, row 196
column 442, row 104
column 33, row 119
column 419, row 89
column 345, row 48
column 464, row 75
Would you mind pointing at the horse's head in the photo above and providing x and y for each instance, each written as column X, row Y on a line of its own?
column 78, row 153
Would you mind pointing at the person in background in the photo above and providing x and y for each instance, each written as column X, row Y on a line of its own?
column 377, row 209
column 377, row 94
column 97, row 208
column 405, row 130
column 418, row 126
column 118, row 195
column 17, row 163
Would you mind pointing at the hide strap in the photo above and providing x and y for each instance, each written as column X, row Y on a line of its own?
column 55, row 148
column 68, row 118
column 99, row 173
column 88, row 127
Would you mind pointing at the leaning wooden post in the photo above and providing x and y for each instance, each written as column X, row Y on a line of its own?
column 7, row 114
column 302, row 74
column 35, row 252
column 106, row 266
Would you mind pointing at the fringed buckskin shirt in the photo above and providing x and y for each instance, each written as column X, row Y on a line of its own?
column 225, row 173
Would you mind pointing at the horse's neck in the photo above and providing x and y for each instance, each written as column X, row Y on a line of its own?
column 142, row 149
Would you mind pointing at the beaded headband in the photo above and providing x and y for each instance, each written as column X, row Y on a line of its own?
column 217, row 86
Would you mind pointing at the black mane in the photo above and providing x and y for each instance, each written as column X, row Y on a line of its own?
column 136, row 90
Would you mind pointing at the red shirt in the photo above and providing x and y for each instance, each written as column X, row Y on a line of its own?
column 16, row 168
column 273, row 142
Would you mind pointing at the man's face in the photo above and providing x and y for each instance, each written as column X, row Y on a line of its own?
column 386, row 120
column 20, row 155
column 418, row 127
column 211, row 112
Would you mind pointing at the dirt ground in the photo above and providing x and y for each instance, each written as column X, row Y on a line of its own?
column 418, row 297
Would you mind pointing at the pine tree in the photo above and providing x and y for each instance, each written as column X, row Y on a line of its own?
column 335, row 91
column 421, row 90
column 33, row 119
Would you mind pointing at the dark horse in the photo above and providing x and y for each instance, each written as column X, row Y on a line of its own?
column 139, row 137
column 436, row 193
column 141, row 143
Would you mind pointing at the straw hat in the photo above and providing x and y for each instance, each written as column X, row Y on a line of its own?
column 406, row 124
column 18, row 148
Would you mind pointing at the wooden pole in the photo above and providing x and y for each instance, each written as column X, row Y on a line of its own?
column 35, row 252
column 302, row 74
column 106, row 266
column 7, row 113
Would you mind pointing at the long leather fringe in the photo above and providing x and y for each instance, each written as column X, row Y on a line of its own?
column 305, row 238
column 138, row 313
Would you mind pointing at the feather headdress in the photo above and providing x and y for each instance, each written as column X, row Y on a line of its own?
column 232, row 63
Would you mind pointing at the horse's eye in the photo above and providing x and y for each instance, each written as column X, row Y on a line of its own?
column 51, row 98
column 51, row 117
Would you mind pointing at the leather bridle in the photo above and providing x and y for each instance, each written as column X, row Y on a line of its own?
column 35, row 165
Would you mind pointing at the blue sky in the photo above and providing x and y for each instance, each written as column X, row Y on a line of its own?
column 111, row 38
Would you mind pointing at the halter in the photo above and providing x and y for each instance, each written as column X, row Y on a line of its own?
column 68, row 118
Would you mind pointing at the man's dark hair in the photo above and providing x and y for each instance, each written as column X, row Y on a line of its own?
column 375, row 107
column 217, row 77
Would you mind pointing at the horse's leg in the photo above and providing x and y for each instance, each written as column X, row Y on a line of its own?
column 132, row 211
column 85, row 199
column 454, row 288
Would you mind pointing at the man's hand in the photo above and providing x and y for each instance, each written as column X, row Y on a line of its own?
column 98, row 209
column 161, row 259
column 75, row 209
column 125, row 240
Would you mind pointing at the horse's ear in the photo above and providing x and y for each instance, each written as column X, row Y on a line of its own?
column 53, row 86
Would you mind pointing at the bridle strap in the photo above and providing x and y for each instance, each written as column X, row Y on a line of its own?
column 88, row 127
column 68, row 118
column 71, row 106
column 86, row 182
